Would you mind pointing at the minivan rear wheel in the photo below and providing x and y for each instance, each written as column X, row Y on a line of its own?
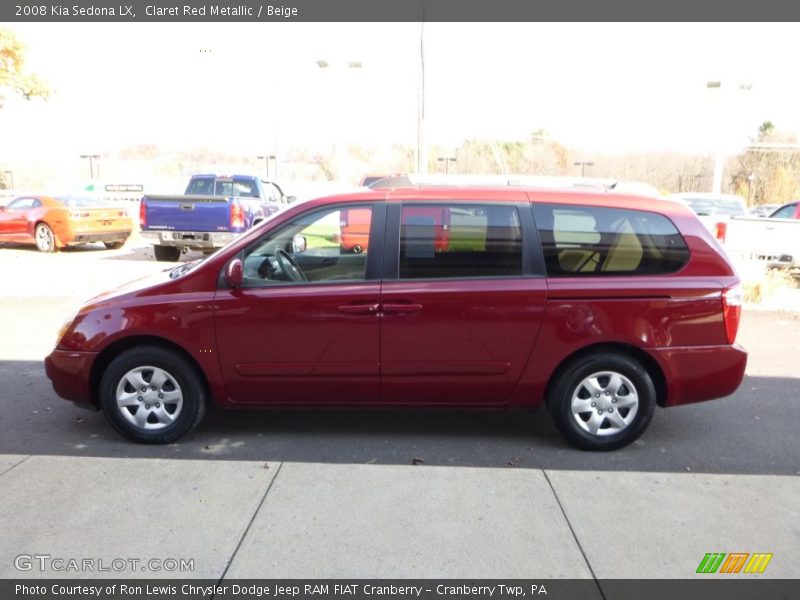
column 152, row 395
column 602, row 401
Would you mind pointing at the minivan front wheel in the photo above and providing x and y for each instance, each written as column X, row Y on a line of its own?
column 603, row 401
column 152, row 395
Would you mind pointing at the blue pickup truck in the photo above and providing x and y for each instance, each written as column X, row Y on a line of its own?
column 214, row 210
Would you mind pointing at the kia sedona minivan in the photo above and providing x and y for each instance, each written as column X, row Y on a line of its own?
column 599, row 306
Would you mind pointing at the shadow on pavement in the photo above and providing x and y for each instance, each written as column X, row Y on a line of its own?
column 751, row 432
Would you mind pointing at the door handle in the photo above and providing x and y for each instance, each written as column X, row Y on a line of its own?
column 398, row 309
column 359, row 309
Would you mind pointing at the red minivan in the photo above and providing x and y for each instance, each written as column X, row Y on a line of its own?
column 601, row 306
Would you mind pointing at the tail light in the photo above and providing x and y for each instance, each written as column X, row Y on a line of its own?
column 143, row 214
column 237, row 216
column 720, row 231
column 732, row 310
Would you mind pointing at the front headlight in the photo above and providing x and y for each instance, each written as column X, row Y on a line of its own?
column 64, row 327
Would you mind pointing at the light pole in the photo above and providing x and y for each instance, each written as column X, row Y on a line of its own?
column 720, row 153
column 10, row 178
column 446, row 160
column 92, row 158
column 352, row 66
column 422, row 143
column 266, row 158
column 583, row 164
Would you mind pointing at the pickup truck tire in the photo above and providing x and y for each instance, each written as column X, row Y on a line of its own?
column 152, row 395
column 167, row 253
column 602, row 401
column 114, row 245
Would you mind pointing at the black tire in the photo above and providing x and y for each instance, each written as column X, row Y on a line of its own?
column 45, row 240
column 114, row 245
column 183, row 377
column 570, row 383
column 167, row 253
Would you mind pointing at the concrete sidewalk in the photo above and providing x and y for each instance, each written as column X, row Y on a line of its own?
column 239, row 519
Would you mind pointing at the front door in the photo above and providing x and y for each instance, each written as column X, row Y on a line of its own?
column 304, row 328
column 14, row 219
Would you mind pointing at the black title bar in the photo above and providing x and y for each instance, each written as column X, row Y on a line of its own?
column 395, row 10
column 731, row 588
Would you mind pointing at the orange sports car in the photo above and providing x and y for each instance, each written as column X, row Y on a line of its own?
column 52, row 222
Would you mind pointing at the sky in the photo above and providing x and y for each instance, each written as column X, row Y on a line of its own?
column 255, row 87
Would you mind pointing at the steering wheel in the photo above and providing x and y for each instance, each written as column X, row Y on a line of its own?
column 289, row 266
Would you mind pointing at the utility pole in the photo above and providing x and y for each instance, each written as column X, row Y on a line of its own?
column 583, row 164
column 446, row 160
column 92, row 158
column 266, row 158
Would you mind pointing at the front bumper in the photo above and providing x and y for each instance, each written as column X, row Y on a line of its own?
column 699, row 373
column 70, row 373
column 190, row 239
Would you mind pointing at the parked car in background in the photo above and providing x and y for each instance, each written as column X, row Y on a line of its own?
column 369, row 179
column 763, row 210
column 790, row 210
column 714, row 210
column 52, row 222
column 599, row 306
column 213, row 211
column 713, row 205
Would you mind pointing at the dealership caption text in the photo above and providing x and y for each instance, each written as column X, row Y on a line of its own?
column 339, row 589
column 151, row 10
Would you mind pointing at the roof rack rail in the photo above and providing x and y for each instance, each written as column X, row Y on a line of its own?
column 531, row 181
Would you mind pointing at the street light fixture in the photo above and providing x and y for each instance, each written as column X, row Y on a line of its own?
column 338, row 67
column 446, row 160
column 720, row 154
column 266, row 158
column 583, row 164
column 92, row 158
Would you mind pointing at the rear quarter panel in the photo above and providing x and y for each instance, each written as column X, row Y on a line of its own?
column 650, row 313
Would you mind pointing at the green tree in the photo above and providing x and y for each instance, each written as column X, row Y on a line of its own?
column 13, row 76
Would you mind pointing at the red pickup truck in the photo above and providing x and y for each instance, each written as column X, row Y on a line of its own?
column 355, row 224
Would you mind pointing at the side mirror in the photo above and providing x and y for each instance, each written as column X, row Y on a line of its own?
column 234, row 274
column 299, row 244
column 2, row 209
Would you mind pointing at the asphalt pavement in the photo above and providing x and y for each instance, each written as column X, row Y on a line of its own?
column 754, row 431
column 384, row 493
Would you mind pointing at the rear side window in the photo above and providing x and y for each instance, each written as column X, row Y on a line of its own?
column 459, row 240
column 201, row 186
column 591, row 241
